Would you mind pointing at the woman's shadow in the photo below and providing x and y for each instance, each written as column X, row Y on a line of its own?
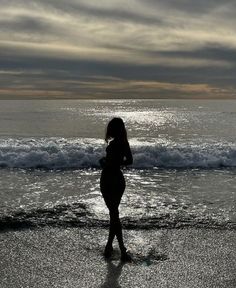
column 113, row 275
column 114, row 271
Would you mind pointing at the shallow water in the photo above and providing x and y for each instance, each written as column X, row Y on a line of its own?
column 159, row 198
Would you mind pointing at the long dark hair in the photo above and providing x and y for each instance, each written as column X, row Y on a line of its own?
column 116, row 130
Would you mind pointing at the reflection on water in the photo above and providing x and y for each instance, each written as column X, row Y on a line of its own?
column 173, row 195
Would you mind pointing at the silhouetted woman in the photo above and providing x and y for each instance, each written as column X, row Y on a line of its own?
column 112, row 182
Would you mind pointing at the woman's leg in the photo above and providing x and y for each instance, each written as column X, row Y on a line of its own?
column 112, row 234
column 115, row 227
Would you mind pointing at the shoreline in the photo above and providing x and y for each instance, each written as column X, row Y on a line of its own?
column 72, row 257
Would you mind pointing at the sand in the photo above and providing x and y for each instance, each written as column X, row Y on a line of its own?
column 72, row 257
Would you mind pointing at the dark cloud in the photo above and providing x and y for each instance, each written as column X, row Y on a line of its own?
column 191, row 6
column 73, row 69
column 78, row 8
column 216, row 53
column 116, row 14
column 26, row 25
column 212, row 51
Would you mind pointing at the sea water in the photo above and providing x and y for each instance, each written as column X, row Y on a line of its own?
column 183, row 175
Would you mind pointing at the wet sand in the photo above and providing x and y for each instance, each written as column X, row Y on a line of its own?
column 72, row 257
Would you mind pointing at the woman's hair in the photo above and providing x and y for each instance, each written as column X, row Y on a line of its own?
column 116, row 130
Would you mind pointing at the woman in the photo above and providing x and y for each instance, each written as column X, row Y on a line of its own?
column 112, row 182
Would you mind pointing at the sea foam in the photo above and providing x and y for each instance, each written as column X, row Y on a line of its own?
column 61, row 153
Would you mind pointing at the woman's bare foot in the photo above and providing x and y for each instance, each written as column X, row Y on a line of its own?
column 125, row 257
column 108, row 251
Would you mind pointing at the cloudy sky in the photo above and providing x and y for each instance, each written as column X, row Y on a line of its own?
column 117, row 49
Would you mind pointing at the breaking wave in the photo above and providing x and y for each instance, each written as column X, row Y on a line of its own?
column 60, row 153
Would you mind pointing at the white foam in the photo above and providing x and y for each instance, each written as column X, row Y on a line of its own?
column 60, row 153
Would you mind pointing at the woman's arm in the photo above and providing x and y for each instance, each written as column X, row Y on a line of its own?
column 128, row 156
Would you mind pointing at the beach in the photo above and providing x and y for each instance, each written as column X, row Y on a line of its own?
column 72, row 257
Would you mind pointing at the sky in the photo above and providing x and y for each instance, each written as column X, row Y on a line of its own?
column 117, row 49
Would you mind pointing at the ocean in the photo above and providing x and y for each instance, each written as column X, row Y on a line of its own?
column 183, row 175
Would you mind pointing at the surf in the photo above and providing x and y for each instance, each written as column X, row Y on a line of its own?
column 79, row 153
